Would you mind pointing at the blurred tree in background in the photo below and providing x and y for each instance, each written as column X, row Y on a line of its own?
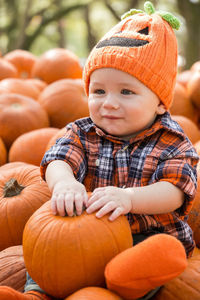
column 37, row 26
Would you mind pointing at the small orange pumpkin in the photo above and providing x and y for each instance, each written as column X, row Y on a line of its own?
column 3, row 153
column 64, row 101
column 20, row 86
column 21, row 193
column 93, row 293
column 19, row 114
column 12, row 268
column 7, row 69
column 195, row 66
column 56, row 64
column 183, row 77
column 77, row 247
column 194, row 215
column 193, row 88
column 189, row 127
column 23, row 61
column 58, row 135
column 38, row 83
column 22, row 148
column 181, row 104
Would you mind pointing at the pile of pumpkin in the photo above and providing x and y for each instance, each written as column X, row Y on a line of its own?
column 38, row 97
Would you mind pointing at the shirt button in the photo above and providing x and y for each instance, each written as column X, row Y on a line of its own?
column 126, row 147
column 97, row 162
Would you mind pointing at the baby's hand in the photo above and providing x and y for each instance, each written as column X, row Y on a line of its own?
column 67, row 197
column 107, row 199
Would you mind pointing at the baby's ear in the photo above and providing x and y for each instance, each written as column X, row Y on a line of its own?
column 161, row 109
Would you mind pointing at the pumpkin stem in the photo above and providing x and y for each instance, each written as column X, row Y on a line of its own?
column 12, row 188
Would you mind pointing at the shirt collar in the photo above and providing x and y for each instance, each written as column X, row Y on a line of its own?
column 162, row 121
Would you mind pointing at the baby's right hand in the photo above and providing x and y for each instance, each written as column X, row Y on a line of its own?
column 67, row 197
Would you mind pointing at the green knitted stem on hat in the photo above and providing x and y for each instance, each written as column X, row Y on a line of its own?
column 131, row 12
column 171, row 19
column 149, row 9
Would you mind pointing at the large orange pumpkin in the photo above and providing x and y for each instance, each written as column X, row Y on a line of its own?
column 194, row 215
column 19, row 114
column 3, row 153
column 183, row 77
column 22, row 147
column 54, row 138
column 64, row 101
column 7, row 69
column 11, row 165
column 38, row 83
column 21, row 192
column 20, row 86
column 93, row 293
column 181, row 103
column 189, row 127
column 64, row 254
column 23, row 61
column 12, row 268
column 197, row 147
column 184, row 287
column 56, row 64
column 193, row 88
column 195, row 66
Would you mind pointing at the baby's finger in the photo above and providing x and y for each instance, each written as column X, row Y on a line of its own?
column 94, row 198
column 108, row 207
column 53, row 204
column 99, row 189
column 69, row 204
column 94, row 206
column 85, row 198
column 78, row 203
column 60, row 205
column 116, row 213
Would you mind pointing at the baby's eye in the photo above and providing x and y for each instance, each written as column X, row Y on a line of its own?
column 127, row 92
column 99, row 91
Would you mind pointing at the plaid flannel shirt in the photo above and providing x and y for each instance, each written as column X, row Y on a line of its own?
column 160, row 153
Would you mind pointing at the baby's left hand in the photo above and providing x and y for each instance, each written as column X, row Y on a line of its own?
column 107, row 199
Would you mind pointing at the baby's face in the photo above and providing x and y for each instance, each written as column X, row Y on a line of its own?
column 120, row 104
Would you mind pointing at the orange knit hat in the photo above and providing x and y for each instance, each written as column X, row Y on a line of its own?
column 144, row 45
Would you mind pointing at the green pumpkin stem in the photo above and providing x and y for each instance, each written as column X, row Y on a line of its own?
column 12, row 188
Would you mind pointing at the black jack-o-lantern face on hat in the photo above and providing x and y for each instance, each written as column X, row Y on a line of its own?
column 121, row 41
column 142, row 45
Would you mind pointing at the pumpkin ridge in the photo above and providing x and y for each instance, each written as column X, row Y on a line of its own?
column 82, row 258
column 8, row 223
column 57, row 251
column 35, row 243
column 46, row 244
column 108, row 228
column 189, row 284
column 16, row 272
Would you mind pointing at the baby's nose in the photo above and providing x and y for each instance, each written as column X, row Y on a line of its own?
column 111, row 102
